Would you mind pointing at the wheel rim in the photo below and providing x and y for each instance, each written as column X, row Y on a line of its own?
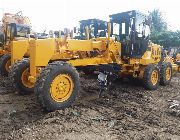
column 25, row 80
column 168, row 74
column 154, row 77
column 7, row 65
column 61, row 88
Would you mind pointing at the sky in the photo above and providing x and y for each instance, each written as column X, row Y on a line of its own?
column 58, row 14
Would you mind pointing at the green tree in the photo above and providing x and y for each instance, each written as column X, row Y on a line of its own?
column 158, row 23
column 159, row 32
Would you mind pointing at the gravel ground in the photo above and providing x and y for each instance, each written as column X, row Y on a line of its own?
column 127, row 111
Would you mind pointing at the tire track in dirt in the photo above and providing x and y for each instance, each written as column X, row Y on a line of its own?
column 127, row 111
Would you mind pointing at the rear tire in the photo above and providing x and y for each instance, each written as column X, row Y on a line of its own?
column 57, row 86
column 19, row 74
column 165, row 74
column 151, row 77
column 5, row 63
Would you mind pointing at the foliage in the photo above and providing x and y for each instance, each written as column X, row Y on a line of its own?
column 166, row 38
column 158, row 23
column 159, row 32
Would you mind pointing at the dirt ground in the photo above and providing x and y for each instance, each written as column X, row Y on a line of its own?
column 127, row 111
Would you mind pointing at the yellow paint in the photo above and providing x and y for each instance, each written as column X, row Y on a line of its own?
column 79, row 45
column 175, row 68
column 24, row 78
column 154, row 77
column 19, row 49
column 169, row 59
column 44, row 50
column 41, row 51
column 89, row 61
column 61, row 88
column 178, row 57
column 2, row 52
column 152, row 56
column 168, row 74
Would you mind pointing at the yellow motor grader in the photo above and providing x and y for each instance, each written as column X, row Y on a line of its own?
column 125, row 51
column 176, row 58
column 14, row 27
column 88, row 29
column 19, row 50
column 140, row 57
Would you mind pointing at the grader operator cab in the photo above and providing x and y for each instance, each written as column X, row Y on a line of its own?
column 13, row 31
column 15, row 27
column 132, row 29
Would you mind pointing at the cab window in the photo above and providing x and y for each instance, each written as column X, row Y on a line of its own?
column 22, row 31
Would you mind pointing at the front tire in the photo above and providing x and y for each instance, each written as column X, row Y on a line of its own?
column 5, row 63
column 165, row 74
column 19, row 74
column 57, row 86
column 151, row 77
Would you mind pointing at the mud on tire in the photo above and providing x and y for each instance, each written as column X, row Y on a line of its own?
column 166, row 69
column 43, row 86
column 3, row 61
column 15, row 74
column 147, row 77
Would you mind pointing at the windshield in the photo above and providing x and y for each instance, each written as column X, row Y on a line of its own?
column 22, row 31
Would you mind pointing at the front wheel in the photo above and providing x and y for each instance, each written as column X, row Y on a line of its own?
column 57, row 86
column 5, row 63
column 151, row 77
column 19, row 74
